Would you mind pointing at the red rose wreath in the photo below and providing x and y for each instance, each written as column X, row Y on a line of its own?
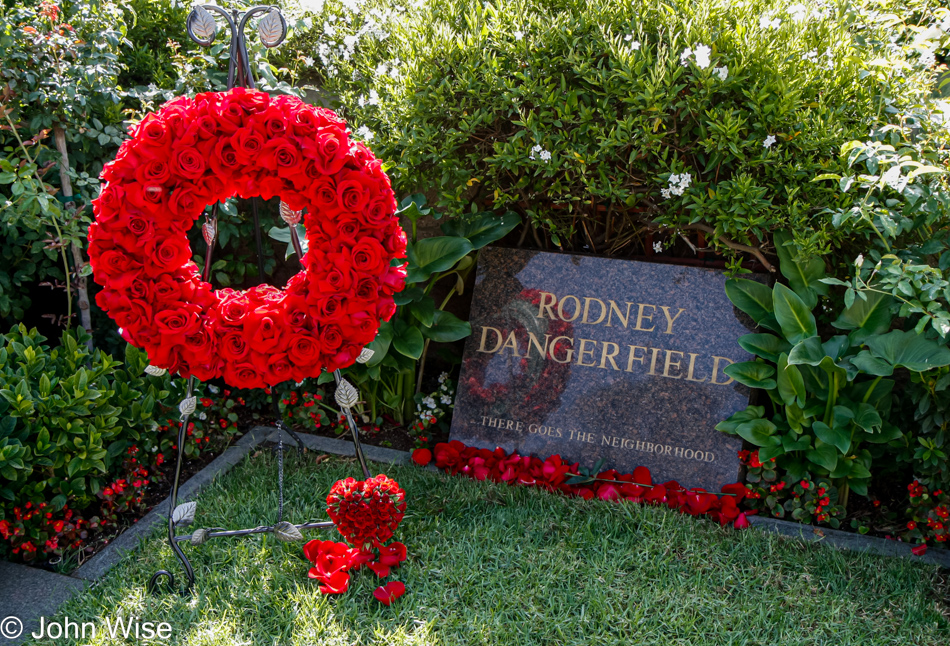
column 194, row 152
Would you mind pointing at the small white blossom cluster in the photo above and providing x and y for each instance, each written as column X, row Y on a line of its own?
column 769, row 21
column 373, row 99
column 658, row 247
column 721, row 72
column 634, row 44
column 537, row 152
column 677, row 185
column 365, row 133
column 700, row 56
column 769, row 141
column 828, row 55
column 432, row 405
column 927, row 59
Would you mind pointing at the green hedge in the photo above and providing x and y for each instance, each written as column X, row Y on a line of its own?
column 585, row 114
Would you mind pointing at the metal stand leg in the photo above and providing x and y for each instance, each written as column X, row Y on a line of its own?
column 172, row 504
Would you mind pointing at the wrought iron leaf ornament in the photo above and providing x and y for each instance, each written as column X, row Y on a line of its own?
column 155, row 371
column 365, row 355
column 199, row 536
column 188, row 406
column 209, row 231
column 271, row 29
column 184, row 514
column 346, row 395
column 287, row 532
column 288, row 215
column 202, row 25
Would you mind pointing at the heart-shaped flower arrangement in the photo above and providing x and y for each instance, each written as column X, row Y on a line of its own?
column 366, row 512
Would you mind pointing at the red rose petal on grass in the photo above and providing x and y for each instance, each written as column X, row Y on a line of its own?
column 388, row 593
column 392, row 555
column 920, row 550
column 382, row 571
column 422, row 457
column 336, row 583
column 358, row 559
column 741, row 522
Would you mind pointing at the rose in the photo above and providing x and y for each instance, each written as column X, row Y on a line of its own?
column 177, row 323
column 188, row 163
column 369, row 256
column 379, row 211
column 262, row 332
column 331, row 337
column 153, row 172
column 351, row 195
column 185, row 204
column 304, row 350
column 323, row 194
column 247, row 145
column 232, row 345
column 331, row 146
column 152, row 131
column 279, row 155
column 149, row 197
column 245, row 374
column 224, row 161
column 168, row 254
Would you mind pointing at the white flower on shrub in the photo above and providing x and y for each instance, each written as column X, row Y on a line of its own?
column 721, row 72
column 657, row 247
column 537, row 152
column 927, row 59
column 859, row 261
column 518, row 35
column 308, row 61
column 893, row 178
column 700, row 56
column 365, row 133
column 677, row 185
column 203, row 416
column 766, row 21
column 798, row 12
column 634, row 44
column 769, row 141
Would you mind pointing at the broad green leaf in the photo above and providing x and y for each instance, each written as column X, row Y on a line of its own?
column 482, row 228
column 380, row 345
column 759, row 432
column 748, row 413
column 446, row 327
column 789, row 443
column 768, row 452
column 408, row 341
column 408, row 295
column 824, row 456
column 887, row 433
column 837, row 437
column 423, row 310
column 794, row 317
column 767, row 346
column 908, row 350
column 809, row 352
column 867, row 417
column 413, row 207
column 804, row 276
column 791, row 386
column 432, row 255
column 753, row 374
column 866, row 317
column 753, row 298
column 869, row 364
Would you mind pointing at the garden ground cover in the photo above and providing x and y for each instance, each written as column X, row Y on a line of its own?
column 493, row 564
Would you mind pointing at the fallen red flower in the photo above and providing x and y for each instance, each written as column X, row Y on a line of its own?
column 388, row 593
column 919, row 550
column 422, row 457
column 552, row 474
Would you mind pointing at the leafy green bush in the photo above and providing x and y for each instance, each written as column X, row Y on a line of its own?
column 597, row 118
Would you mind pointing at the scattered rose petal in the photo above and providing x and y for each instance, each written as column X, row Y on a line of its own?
column 422, row 457
column 388, row 593
column 382, row 571
column 919, row 550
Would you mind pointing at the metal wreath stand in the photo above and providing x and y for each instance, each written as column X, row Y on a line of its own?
column 272, row 29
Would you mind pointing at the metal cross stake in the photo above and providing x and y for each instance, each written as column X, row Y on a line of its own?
column 271, row 29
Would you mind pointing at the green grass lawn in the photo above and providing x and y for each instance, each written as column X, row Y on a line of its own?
column 493, row 564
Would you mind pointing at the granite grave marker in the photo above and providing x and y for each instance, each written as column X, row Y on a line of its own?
column 596, row 358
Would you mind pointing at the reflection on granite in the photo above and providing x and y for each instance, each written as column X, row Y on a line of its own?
column 597, row 358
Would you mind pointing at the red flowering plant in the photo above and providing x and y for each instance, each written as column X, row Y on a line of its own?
column 366, row 513
column 556, row 475
column 195, row 152
column 808, row 500
column 929, row 513
column 37, row 532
